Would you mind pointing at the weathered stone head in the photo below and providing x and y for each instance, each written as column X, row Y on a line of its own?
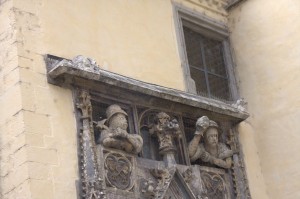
column 210, row 150
column 211, row 135
column 116, row 117
column 162, row 119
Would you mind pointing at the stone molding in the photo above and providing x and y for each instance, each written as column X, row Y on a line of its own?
column 63, row 71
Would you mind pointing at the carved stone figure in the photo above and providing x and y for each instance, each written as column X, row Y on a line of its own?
column 165, row 130
column 115, row 135
column 210, row 151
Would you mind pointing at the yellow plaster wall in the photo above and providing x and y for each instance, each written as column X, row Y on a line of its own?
column 266, row 37
column 133, row 38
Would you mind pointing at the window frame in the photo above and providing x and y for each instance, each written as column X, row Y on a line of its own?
column 207, row 27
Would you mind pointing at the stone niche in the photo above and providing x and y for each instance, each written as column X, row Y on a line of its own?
column 139, row 140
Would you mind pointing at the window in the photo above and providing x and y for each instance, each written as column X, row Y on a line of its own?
column 205, row 55
column 206, row 64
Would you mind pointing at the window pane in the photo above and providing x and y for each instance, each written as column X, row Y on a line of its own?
column 199, row 78
column 218, row 87
column 214, row 61
column 193, row 47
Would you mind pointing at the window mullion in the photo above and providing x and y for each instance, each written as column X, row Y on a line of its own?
column 205, row 67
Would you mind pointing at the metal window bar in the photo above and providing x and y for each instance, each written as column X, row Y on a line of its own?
column 210, row 62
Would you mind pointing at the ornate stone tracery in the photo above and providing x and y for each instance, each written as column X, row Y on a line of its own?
column 118, row 171
column 92, row 183
column 214, row 185
column 111, row 163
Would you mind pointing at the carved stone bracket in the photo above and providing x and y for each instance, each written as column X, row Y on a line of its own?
column 78, row 66
column 92, row 184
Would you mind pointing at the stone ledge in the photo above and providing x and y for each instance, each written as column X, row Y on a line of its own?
column 62, row 72
column 233, row 3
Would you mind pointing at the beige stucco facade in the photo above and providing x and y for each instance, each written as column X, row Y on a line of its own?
column 138, row 39
column 265, row 37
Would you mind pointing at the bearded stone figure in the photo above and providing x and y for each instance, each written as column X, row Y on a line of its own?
column 210, row 151
column 115, row 135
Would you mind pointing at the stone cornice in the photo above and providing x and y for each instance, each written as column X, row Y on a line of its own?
column 62, row 72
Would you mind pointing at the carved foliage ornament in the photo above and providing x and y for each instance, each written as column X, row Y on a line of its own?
column 91, row 182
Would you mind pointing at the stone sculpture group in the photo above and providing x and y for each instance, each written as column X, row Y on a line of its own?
column 114, row 135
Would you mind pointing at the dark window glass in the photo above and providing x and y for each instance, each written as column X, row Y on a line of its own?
column 206, row 63
column 199, row 77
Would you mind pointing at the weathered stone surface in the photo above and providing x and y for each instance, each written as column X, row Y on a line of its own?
column 210, row 151
column 67, row 69
column 115, row 135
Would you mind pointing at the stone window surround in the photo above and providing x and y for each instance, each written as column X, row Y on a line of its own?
column 206, row 26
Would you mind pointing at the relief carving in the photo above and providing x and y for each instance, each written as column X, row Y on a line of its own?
column 115, row 135
column 147, row 188
column 166, row 131
column 210, row 151
column 118, row 171
column 214, row 185
column 188, row 175
column 91, row 182
column 240, row 104
column 164, row 178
